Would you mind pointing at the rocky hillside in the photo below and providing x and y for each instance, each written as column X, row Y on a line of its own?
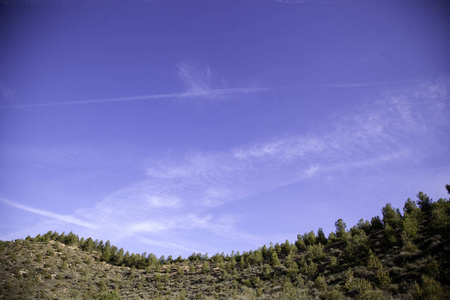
column 400, row 255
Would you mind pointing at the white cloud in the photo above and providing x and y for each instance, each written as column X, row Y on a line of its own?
column 179, row 197
column 366, row 138
column 64, row 218
column 164, row 201
column 195, row 79
column 150, row 227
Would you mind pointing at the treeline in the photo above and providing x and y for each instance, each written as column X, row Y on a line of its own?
column 398, row 230
column 397, row 253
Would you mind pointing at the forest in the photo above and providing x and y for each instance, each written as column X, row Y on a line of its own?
column 402, row 254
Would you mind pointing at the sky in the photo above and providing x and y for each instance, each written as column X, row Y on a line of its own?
column 173, row 127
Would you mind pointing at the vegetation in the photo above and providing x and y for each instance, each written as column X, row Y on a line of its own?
column 403, row 256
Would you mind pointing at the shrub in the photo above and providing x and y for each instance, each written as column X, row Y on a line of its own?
column 333, row 294
column 111, row 295
column 315, row 252
column 430, row 289
column 320, row 283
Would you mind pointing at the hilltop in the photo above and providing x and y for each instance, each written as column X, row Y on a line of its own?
column 400, row 255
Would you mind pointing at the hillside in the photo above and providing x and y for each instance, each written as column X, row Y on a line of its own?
column 398, row 255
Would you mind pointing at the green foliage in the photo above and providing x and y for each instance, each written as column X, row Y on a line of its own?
column 410, row 207
column 389, row 238
column 365, row 262
column 332, row 294
column 361, row 286
column 205, row 268
column 430, row 289
column 311, row 270
column 364, row 225
column 332, row 238
column 334, row 264
column 340, row 228
column 321, row 238
column 320, row 283
column 315, row 252
column 376, row 224
column 274, row 261
column 373, row 262
column 300, row 244
column 383, row 278
column 309, row 238
column 267, row 272
column 410, row 226
column 440, row 216
column 390, row 216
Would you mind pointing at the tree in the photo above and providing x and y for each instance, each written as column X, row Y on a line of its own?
column 340, row 228
column 364, row 225
column 331, row 238
column 376, row 223
column 264, row 251
column 118, row 258
column 389, row 236
column 309, row 238
column 205, row 267
column 321, row 238
column 410, row 207
column 88, row 245
column 106, row 252
column 424, row 203
column 390, row 216
column 440, row 216
column 71, row 239
column 300, row 244
column 274, row 261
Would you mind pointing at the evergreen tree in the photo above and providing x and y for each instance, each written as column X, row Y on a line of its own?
column 389, row 236
column 300, row 244
column 424, row 203
column 340, row 228
column 274, row 261
column 376, row 224
column 106, row 252
column 410, row 207
column 321, row 238
column 309, row 238
column 88, row 245
column 205, row 267
column 390, row 216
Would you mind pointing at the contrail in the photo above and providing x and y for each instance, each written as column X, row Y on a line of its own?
column 214, row 92
column 148, row 97
column 65, row 218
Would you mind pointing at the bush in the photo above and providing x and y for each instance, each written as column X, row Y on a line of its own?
column 333, row 294
column 315, row 252
column 320, row 283
column 111, row 295
column 430, row 289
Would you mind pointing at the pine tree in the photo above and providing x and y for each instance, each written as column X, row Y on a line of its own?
column 340, row 228
column 390, row 216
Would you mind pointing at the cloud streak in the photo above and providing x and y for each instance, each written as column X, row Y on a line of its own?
column 198, row 88
column 64, row 218
column 181, row 197
column 177, row 201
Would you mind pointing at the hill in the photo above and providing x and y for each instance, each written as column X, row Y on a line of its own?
column 396, row 256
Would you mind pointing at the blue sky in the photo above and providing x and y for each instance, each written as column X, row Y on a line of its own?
column 174, row 127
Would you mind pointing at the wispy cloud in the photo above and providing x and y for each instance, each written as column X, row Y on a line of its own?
column 185, row 193
column 64, row 218
column 195, row 79
column 179, row 198
column 190, row 94
column 198, row 83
